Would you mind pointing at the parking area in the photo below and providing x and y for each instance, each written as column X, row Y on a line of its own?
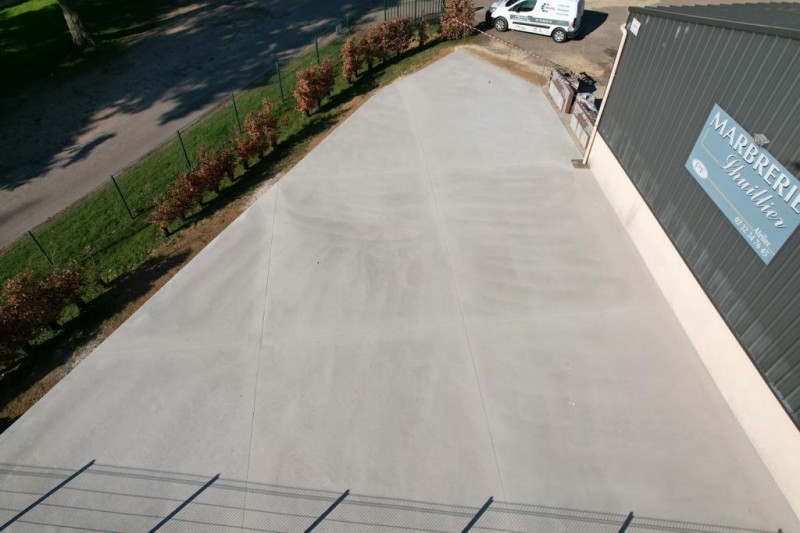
column 595, row 48
column 433, row 305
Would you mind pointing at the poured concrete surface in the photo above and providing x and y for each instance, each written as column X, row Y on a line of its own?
column 432, row 305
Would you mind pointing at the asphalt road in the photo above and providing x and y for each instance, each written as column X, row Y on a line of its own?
column 58, row 143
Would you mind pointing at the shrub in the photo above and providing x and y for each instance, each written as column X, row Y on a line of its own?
column 398, row 35
column 313, row 86
column 378, row 36
column 325, row 81
column 227, row 161
column 245, row 148
column 422, row 29
column 180, row 195
column 457, row 19
column 366, row 48
column 28, row 307
column 262, row 128
column 351, row 61
column 304, row 91
column 209, row 171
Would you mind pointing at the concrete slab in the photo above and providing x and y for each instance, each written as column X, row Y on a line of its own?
column 232, row 270
column 397, row 410
column 432, row 305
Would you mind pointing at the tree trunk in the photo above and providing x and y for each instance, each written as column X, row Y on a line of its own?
column 80, row 36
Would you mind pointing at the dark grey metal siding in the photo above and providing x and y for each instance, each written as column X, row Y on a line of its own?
column 669, row 77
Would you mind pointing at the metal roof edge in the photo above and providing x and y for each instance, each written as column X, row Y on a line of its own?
column 713, row 21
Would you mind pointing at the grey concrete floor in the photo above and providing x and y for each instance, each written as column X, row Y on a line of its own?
column 432, row 305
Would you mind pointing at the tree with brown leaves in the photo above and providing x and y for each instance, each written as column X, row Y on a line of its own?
column 313, row 86
column 29, row 306
column 304, row 91
column 422, row 29
column 351, row 61
column 457, row 19
column 398, row 35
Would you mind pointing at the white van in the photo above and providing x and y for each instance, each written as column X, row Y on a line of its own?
column 560, row 19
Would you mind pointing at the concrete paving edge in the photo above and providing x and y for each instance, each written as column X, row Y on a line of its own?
column 769, row 428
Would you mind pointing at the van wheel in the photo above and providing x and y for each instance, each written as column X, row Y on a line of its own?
column 500, row 24
column 559, row 35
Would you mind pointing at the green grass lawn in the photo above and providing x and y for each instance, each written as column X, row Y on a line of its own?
column 35, row 44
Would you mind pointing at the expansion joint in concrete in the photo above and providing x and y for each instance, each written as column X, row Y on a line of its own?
column 426, row 168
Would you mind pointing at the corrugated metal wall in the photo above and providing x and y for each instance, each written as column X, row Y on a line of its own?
column 669, row 77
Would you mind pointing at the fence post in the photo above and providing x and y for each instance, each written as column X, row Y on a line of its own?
column 280, row 80
column 416, row 11
column 347, row 19
column 386, row 10
column 236, row 113
column 122, row 197
column 316, row 46
column 39, row 246
column 185, row 154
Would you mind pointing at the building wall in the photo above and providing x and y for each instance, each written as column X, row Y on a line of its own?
column 772, row 433
column 670, row 76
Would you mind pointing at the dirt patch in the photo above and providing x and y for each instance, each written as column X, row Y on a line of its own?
column 517, row 62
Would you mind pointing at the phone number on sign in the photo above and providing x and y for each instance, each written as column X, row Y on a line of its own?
column 758, row 240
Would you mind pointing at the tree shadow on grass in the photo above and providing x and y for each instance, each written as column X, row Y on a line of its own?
column 82, row 329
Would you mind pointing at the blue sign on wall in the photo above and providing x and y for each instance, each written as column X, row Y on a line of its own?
column 757, row 194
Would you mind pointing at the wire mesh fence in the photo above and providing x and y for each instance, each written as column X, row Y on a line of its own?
column 113, row 498
column 118, row 209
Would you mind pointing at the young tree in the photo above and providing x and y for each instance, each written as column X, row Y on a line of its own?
column 351, row 61
column 227, row 161
column 365, row 48
column 325, row 81
column 313, row 86
column 378, row 36
column 457, row 19
column 80, row 36
column 28, row 307
column 245, row 149
column 304, row 91
column 180, row 195
column 422, row 29
column 209, row 170
column 398, row 35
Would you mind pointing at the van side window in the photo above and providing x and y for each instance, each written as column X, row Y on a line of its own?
column 525, row 6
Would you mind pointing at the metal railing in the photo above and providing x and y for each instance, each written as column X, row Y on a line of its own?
column 412, row 8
